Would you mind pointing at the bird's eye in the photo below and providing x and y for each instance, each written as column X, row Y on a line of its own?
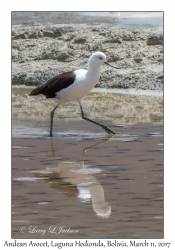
column 100, row 58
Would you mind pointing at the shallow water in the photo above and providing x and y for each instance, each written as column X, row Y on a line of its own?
column 98, row 185
column 104, row 187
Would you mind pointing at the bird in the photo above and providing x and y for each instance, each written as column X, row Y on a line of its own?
column 73, row 86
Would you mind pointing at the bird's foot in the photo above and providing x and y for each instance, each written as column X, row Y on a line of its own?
column 108, row 130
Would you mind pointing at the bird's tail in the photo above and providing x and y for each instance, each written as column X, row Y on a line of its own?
column 37, row 91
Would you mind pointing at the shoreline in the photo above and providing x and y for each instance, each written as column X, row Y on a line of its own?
column 129, row 91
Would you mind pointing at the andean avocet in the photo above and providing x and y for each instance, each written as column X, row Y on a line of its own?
column 74, row 85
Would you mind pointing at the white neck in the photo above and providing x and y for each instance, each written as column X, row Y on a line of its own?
column 93, row 72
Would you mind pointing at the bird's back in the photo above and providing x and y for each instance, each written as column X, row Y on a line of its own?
column 54, row 85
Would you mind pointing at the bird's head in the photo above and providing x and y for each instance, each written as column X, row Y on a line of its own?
column 97, row 59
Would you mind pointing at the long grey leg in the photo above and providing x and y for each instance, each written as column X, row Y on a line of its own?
column 108, row 130
column 51, row 119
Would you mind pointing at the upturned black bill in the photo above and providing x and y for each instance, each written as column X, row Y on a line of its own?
column 112, row 66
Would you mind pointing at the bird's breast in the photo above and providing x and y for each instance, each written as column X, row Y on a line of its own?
column 82, row 85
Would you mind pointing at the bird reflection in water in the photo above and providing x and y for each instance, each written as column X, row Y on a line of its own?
column 76, row 178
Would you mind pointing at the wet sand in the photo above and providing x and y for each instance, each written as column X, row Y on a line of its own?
column 118, row 108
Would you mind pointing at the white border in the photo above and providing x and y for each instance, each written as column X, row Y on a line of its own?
column 5, row 45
